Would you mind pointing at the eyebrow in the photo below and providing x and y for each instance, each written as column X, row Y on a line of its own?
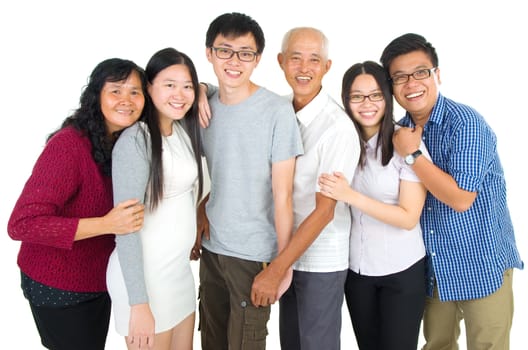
column 229, row 46
column 422, row 66
column 356, row 91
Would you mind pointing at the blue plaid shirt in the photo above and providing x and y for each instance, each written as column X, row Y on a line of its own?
column 467, row 253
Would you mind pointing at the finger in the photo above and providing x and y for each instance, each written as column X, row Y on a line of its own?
column 195, row 254
column 203, row 119
column 130, row 340
column 128, row 203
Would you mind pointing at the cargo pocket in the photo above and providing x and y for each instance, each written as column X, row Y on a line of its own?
column 255, row 330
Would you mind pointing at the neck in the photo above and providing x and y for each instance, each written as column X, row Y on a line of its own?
column 300, row 101
column 368, row 131
column 234, row 95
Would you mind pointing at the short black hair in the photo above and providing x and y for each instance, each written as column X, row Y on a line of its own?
column 235, row 24
column 405, row 44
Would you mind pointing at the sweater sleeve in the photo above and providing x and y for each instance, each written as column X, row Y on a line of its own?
column 38, row 216
column 130, row 173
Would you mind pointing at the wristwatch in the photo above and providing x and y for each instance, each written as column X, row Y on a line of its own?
column 411, row 158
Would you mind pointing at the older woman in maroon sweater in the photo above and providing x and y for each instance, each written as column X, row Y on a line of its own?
column 65, row 216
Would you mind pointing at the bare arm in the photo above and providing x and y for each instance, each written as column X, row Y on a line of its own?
column 441, row 184
column 266, row 284
column 405, row 214
column 282, row 187
column 126, row 217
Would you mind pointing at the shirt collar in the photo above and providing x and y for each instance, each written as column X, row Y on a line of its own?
column 436, row 117
column 312, row 109
column 371, row 143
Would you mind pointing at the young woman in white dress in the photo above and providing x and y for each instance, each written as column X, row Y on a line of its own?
column 149, row 274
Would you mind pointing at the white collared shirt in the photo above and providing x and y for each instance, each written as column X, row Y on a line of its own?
column 377, row 248
column 330, row 144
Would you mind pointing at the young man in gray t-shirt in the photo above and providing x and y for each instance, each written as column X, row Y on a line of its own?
column 250, row 146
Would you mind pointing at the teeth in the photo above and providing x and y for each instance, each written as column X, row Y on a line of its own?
column 414, row 95
column 304, row 78
column 232, row 72
column 177, row 105
column 368, row 114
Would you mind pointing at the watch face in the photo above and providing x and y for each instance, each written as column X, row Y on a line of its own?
column 409, row 159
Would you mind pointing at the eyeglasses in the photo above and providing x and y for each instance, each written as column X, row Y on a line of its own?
column 374, row 97
column 420, row 74
column 243, row 55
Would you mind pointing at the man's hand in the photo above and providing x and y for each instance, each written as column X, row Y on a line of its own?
column 202, row 230
column 407, row 140
column 204, row 112
column 269, row 285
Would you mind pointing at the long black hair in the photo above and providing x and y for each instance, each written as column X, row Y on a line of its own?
column 89, row 118
column 158, row 62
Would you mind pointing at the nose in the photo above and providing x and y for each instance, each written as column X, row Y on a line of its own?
column 177, row 92
column 126, row 98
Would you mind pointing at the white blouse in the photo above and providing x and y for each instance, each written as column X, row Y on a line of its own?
column 377, row 248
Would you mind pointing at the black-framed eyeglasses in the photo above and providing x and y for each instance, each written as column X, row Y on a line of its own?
column 374, row 97
column 244, row 55
column 420, row 74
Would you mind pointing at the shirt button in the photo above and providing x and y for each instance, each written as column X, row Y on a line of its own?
column 431, row 231
column 433, row 254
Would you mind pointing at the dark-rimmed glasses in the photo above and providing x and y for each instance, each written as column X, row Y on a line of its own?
column 420, row 74
column 374, row 97
column 244, row 55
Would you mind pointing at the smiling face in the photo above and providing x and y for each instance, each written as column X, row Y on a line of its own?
column 172, row 93
column 232, row 72
column 122, row 102
column 304, row 62
column 418, row 97
column 367, row 113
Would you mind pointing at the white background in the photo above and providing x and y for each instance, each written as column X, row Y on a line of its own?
column 48, row 49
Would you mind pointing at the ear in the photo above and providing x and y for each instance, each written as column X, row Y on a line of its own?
column 149, row 88
column 280, row 58
column 257, row 60
column 209, row 53
column 328, row 65
column 437, row 76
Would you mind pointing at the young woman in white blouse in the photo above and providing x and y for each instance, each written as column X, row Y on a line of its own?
column 385, row 288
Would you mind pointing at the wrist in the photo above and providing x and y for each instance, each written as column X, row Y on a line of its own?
column 410, row 158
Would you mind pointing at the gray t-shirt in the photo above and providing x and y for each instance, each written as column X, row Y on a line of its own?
column 240, row 145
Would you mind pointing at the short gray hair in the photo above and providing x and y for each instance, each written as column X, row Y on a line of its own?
column 287, row 36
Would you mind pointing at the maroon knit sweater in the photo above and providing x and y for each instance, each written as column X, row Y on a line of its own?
column 65, row 185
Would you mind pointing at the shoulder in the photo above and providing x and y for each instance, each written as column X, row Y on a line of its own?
column 270, row 96
column 67, row 135
column 466, row 120
column 133, row 134
column 69, row 140
column 339, row 120
column 460, row 112
column 132, row 141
